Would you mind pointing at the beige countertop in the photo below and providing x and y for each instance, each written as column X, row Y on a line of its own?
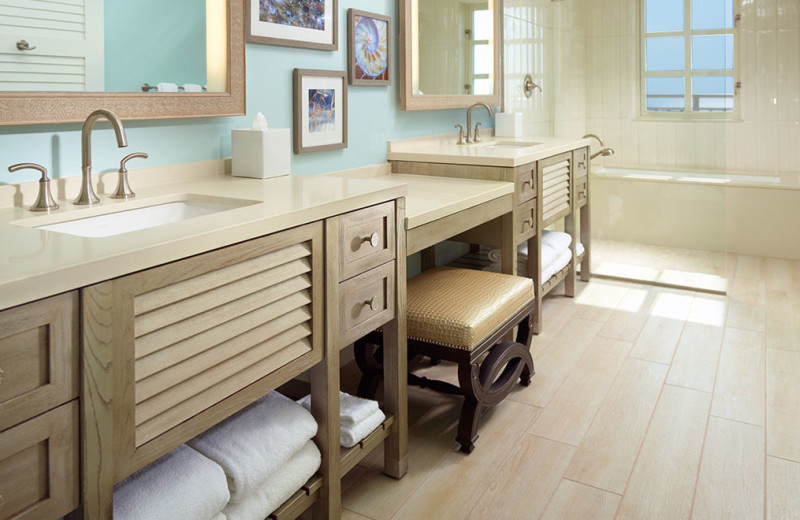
column 35, row 263
column 494, row 151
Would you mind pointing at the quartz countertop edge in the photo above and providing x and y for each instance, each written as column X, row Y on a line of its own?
column 443, row 149
column 38, row 264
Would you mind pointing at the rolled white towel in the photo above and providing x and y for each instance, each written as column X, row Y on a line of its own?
column 167, row 87
column 220, row 516
column 352, row 409
column 181, row 485
column 192, row 87
column 253, row 444
column 349, row 436
column 561, row 262
column 278, row 488
column 558, row 240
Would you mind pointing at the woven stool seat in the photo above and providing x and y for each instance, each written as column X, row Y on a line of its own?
column 460, row 307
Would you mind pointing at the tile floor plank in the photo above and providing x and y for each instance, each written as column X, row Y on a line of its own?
column 569, row 414
column 658, row 340
column 607, row 453
column 783, row 327
column 747, row 304
column 731, row 487
column 574, row 501
column 531, row 475
column 695, row 362
column 740, row 387
column 783, row 404
column 783, row 479
column 627, row 319
column 662, row 483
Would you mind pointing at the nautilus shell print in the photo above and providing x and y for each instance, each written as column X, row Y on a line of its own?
column 371, row 47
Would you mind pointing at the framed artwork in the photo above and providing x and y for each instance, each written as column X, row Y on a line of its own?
column 320, row 110
column 311, row 24
column 368, row 47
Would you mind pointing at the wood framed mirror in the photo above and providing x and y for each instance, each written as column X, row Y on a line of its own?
column 451, row 53
column 222, row 60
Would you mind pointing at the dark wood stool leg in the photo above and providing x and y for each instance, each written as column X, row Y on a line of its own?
column 468, row 372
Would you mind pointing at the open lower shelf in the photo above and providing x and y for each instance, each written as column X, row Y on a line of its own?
column 309, row 493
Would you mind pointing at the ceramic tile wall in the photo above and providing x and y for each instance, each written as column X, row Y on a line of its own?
column 528, row 46
column 766, row 140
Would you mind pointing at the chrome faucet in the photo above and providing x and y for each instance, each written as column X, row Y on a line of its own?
column 593, row 136
column 605, row 150
column 475, row 137
column 87, row 196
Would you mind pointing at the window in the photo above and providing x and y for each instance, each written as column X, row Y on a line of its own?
column 479, row 50
column 689, row 56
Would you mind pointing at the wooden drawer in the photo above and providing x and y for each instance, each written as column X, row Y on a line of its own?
column 366, row 239
column 581, row 191
column 580, row 161
column 38, row 357
column 39, row 466
column 525, row 221
column 526, row 183
column 367, row 302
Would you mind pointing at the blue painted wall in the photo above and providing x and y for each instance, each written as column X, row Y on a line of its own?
column 132, row 58
column 374, row 118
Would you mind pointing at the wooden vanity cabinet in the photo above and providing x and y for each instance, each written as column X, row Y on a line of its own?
column 546, row 191
column 173, row 350
column 38, row 408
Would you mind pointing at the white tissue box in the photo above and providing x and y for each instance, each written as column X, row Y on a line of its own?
column 508, row 124
column 261, row 154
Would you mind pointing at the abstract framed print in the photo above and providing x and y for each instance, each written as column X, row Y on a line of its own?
column 320, row 110
column 311, row 24
column 368, row 48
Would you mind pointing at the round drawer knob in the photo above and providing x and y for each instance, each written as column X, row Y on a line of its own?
column 527, row 223
column 374, row 239
column 372, row 303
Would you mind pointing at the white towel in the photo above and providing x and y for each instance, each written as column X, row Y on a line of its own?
column 192, row 87
column 167, row 87
column 495, row 256
column 352, row 409
column 557, row 240
column 561, row 262
column 349, row 436
column 220, row 516
column 278, row 488
column 181, row 485
column 254, row 443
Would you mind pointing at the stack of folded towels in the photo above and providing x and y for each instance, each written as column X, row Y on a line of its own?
column 556, row 254
column 357, row 417
column 242, row 469
column 182, row 484
column 266, row 453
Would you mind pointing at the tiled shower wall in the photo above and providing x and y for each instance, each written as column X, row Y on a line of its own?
column 767, row 139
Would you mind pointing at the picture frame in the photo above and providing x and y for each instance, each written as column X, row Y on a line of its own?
column 309, row 24
column 320, row 110
column 369, row 47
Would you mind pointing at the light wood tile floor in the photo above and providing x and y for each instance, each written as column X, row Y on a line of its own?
column 647, row 403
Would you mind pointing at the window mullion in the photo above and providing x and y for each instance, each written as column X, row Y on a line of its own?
column 687, row 54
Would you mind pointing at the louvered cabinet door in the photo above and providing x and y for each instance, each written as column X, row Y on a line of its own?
column 555, row 179
column 194, row 341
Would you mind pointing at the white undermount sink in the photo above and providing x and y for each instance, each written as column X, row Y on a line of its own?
column 135, row 219
column 510, row 144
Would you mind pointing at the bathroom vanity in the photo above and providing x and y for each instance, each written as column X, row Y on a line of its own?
column 116, row 350
column 550, row 177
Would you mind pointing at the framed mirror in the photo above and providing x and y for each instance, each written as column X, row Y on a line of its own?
column 79, row 58
column 451, row 54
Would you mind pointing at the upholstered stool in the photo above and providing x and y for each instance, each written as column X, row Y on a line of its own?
column 463, row 315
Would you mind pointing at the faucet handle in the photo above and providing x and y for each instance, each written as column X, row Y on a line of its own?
column 124, row 190
column 460, row 134
column 45, row 200
column 476, row 137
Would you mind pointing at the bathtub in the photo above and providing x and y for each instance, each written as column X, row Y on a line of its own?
column 745, row 213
